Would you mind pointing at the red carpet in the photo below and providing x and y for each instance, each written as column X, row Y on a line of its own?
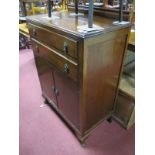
column 43, row 133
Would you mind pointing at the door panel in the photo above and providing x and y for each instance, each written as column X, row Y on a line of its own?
column 67, row 97
column 46, row 79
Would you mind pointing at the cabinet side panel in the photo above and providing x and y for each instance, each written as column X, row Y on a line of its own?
column 104, row 59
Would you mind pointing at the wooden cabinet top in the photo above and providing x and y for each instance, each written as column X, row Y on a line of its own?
column 67, row 23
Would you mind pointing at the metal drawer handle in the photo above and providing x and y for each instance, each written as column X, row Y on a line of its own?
column 34, row 32
column 65, row 48
column 66, row 68
column 56, row 92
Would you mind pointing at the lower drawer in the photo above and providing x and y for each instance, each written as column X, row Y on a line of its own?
column 62, row 63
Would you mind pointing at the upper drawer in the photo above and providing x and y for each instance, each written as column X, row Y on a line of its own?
column 66, row 45
column 69, row 67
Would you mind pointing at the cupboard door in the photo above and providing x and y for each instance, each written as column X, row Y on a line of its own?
column 46, row 79
column 67, row 97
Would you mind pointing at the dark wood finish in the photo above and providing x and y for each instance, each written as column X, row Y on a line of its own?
column 53, row 84
column 57, row 60
column 86, row 93
column 45, row 74
column 68, row 97
column 67, row 25
column 66, row 45
column 107, row 64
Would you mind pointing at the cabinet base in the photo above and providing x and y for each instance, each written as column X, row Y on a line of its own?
column 73, row 129
column 109, row 119
column 69, row 124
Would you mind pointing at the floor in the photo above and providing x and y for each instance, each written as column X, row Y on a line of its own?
column 43, row 133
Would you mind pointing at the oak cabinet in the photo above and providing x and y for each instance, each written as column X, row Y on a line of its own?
column 56, row 86
column 79, row 72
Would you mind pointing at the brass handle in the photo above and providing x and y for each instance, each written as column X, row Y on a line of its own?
column 66, row 68
column 65, row 48
column 34, row 32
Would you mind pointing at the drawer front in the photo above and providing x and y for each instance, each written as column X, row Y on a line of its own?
column 67, row 46
column 67, row 66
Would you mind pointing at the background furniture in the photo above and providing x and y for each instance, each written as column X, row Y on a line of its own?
column 31, row 7
column 24, row 37
column 39, row 7
column 125, row 105
column 28, row 7
column 131, row 44
column 101, row 8
column 79, row 72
